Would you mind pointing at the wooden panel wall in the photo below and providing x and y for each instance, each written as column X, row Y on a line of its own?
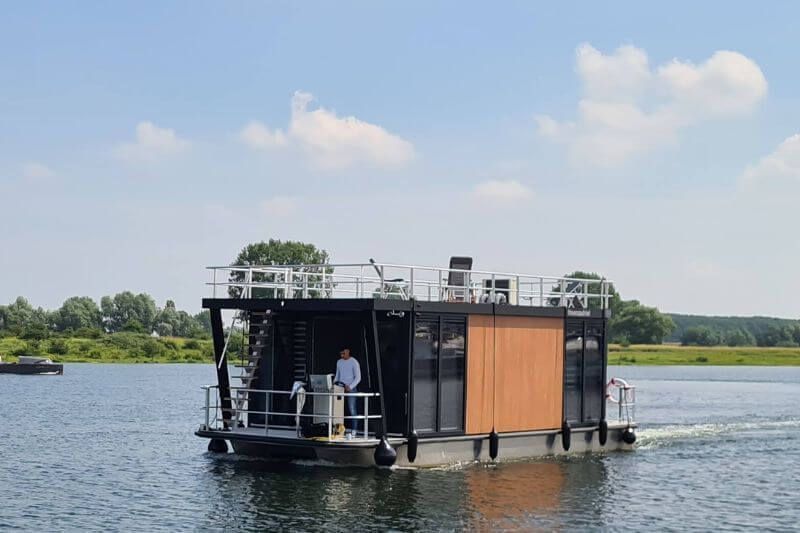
column 529, row 366
column 480, row 373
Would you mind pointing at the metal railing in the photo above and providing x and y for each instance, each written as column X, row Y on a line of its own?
column 214, row 419
column 404, row 282
column 625, row 399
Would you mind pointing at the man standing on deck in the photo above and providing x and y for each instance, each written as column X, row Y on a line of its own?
column 348, row 373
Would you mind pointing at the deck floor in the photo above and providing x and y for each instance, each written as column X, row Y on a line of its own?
column 291, row 434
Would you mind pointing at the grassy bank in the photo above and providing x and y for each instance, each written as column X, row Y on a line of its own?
column 643, row 354
column 110, row 348
column 138, row 348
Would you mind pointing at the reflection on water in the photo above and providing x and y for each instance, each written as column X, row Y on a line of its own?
column 255, row 494
column 110, row 447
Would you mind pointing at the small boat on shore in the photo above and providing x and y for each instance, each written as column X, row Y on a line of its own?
column 32, row 365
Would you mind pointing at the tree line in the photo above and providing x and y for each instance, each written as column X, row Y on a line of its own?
column 630, row 322
column 82, row 316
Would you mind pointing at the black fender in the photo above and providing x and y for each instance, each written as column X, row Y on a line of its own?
column 218, row 446
column 384, row 454
column 602, row 432
column 494, row 444
column 628, row 436
column 413, row 444
column 566, row 436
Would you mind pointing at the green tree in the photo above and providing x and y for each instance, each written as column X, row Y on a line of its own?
column 276, row 252
column 701, row 336
column 739, row 337
column 614, row 300
column 203, row 319
column 129, row 311
column 170, row 321
column 639, row 324
column 777, row 336
column 78, row 312
column 19, row 316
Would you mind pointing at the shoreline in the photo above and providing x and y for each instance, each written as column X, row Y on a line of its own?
column 128, row 348
column 675, row 355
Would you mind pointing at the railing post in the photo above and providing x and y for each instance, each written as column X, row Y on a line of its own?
column 382, row 286
column 323, row 290
column 366, row 416
column 563, row 290
column 621, row 399
column 208, row 407
column 214, row 283
column 494, row 285
column 330, row 414
column 411, row 288
column 517, row 299
column 541, row 292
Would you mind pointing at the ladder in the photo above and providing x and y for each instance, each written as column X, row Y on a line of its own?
column 259, row 338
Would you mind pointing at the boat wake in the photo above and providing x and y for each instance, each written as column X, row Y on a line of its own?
column 654, row 437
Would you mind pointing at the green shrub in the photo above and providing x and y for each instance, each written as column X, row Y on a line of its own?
column 702, row 359
column 36, row 332
column 58, row 347
column 151, row 349
column 29, row 349
column 127, row 341
column 171, row 344
column 94, row 353
column 89, row 333
column 191, row 344
column 83, row 347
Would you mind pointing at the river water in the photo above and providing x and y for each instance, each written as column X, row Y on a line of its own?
column 110, row 447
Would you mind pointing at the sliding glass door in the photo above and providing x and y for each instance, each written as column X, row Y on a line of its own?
column 439, row 369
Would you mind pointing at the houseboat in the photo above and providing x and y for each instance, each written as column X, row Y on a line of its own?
column 456, row 365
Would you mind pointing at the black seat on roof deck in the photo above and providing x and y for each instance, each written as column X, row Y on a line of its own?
column 458, row 279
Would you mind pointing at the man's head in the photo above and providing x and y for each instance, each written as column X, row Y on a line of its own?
column 345, row 353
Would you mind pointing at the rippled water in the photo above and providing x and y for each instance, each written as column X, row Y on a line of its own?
column 109, row 447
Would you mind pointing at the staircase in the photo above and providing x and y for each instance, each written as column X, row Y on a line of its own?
column 299, row 347
column 259, row 326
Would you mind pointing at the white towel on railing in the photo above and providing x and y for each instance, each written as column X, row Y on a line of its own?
column 298, row 388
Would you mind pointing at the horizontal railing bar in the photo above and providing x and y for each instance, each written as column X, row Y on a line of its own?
column 309, row 393
column 247, row 268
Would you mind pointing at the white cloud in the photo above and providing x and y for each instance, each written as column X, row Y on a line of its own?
column 778, row 168
column 498, row 192
column 330, row 141
column 34, row 171
column 257, row 135
column 279, row 206
column 628, row 108
column 152, row 142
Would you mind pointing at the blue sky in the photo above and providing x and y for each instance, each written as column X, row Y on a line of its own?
column 141, row 141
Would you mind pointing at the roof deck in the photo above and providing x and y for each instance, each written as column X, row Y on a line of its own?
column 406, row 282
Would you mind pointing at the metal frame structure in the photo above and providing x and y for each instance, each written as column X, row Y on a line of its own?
column 213, row 420
column 405, row 282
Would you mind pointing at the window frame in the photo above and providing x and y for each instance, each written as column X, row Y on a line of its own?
column 439, row 318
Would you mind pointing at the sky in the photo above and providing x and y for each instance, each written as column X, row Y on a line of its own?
column 658, row 145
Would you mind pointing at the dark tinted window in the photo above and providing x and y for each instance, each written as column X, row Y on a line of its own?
column 452, row 375
column 593, row 375
column 426, row 370
column 573, row 373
